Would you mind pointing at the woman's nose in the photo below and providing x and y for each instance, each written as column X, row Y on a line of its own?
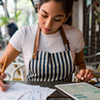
column 49, row 23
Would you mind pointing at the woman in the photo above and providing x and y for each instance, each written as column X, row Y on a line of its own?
column 49, row 48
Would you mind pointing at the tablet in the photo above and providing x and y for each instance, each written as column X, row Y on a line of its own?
column 80, row 91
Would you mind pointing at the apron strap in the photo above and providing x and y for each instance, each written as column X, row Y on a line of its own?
column 37, row 37
column 36, row 43
column 65, row 41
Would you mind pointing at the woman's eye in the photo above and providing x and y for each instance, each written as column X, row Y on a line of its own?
column 57, row 20
column 44, row 16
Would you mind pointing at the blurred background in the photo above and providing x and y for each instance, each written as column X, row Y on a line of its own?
column 21, row 11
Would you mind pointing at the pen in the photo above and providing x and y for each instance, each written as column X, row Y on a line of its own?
column 4, row 64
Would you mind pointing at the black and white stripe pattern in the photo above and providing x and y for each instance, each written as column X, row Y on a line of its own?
column 52, row 66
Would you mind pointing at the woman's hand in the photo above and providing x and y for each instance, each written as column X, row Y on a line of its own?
column 85, row 75
column 2, row 76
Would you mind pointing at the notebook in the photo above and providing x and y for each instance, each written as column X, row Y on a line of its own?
column 80, row 91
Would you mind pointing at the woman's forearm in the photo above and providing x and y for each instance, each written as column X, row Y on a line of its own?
column 81, row 66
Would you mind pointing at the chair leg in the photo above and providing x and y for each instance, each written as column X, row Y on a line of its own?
column 97, row 79
column 8, row 75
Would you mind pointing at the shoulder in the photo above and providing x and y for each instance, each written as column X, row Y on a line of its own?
column 75, row 38
column 71, row 29
column 72, row 32
column 29, row 28
column 27, row 31
column 23, row 37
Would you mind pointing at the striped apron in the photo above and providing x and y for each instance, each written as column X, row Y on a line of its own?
column 45, row 66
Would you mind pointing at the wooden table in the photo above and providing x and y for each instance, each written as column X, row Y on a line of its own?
column 57, row 95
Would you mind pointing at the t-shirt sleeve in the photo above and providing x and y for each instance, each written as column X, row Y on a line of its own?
column 79, row 41
column 17, row 40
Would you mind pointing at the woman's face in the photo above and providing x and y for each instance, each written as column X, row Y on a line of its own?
column 51, row 17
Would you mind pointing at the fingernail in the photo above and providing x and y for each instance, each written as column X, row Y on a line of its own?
column 88, row 75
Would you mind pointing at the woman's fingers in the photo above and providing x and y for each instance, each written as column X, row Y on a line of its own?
column 3, row 76
column 87, row 71
column 1, row 81
column 1, row 85
column 80, row 75
column 85, row 75
column 89, row 74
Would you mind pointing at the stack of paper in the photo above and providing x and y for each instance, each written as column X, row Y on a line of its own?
column 19, row 91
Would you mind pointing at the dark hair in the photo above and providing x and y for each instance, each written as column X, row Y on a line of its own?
column 66, row 6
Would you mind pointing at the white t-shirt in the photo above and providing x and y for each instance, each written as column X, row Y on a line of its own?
column 23, row 41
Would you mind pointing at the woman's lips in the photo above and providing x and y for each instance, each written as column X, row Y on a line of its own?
column 46, row 29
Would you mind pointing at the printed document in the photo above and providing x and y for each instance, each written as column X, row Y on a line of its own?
column 10, row 92
column 20, row 91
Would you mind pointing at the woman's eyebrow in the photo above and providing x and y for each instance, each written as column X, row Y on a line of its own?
column 44, row 11
column 55, row 15
column 59, row 16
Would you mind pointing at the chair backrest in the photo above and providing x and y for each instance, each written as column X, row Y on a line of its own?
column 21, row 69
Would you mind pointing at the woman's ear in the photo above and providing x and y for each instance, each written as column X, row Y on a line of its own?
column 67, row 17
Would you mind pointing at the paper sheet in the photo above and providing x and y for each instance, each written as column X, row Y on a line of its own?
column 25, row 96
column 28, row 88
column 20, row 91
column 35, row 94
column 10, row 92
column 44, row 91
column 51, row 91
